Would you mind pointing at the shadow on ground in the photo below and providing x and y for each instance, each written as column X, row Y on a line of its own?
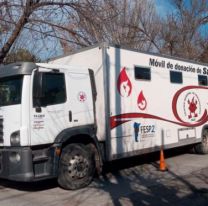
column 140, row 186
column 125, row 183
column 31, row 186
column 114, row 166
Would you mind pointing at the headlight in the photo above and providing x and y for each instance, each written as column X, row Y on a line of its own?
column 14, row 157
column 15, row 138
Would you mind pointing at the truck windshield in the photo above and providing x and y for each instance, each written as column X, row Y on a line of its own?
column 10, row 90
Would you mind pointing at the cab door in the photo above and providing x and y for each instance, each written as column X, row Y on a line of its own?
column 50, row 110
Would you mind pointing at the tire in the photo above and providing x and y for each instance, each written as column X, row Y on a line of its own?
column 202, row 148
column 76, row 168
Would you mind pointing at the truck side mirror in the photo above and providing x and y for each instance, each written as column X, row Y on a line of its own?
column 37, row 88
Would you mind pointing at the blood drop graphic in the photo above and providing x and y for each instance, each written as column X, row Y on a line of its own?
column 141, row 101
column 124, row 84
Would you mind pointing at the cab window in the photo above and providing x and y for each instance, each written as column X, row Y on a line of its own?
column 53, row 89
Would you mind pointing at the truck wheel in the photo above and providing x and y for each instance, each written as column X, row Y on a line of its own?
column 76, row 168
column 202, row 148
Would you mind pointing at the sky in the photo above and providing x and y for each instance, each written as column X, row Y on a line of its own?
column 163, row 7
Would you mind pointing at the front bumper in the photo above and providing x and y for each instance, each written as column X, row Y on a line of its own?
column 21, row 170
column 27, row 165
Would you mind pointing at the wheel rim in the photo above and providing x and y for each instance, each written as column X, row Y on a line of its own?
column 78, row 167
column 205, row 138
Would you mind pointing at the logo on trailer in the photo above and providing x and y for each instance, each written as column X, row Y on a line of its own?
column 136, row 131
column 143, row 132
column 124, row 84
column 186, row 107
column 141, row 101
column 192, row 106
column 82, row 97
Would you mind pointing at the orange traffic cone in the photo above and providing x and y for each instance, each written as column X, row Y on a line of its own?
column 163, row 166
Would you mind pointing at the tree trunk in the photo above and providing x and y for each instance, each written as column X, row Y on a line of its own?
column 18, row 28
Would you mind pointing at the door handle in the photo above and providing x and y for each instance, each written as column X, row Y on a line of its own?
column 70, row 116
column 38, row 109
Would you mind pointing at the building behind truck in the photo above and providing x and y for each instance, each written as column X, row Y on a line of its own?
column 67, row 117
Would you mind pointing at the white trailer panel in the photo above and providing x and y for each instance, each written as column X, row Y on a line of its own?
column 136, row 115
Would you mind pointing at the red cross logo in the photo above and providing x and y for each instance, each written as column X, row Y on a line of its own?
column 82, row 97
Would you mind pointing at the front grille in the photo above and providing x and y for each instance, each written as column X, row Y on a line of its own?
column 1, row 131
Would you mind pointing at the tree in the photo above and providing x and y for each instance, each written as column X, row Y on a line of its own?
column 46, row 26
column 38, row 17
column 20, row 55
column 182, row 30
column 131, row 23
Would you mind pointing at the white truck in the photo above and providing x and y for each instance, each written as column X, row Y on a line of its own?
column 65, row 118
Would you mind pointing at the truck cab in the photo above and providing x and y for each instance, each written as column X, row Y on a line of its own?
column 43, row 109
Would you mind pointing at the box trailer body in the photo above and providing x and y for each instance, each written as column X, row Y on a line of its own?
column 65, row 118
column 139, row 104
